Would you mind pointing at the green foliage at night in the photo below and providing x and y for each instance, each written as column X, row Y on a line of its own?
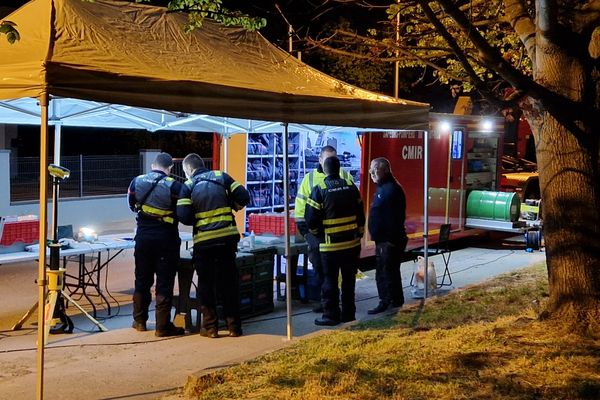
column 10, row 30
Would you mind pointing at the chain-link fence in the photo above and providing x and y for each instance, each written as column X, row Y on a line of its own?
column 89, row 176
column 177, row 170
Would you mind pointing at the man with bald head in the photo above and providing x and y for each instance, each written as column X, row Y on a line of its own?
column 386, row 227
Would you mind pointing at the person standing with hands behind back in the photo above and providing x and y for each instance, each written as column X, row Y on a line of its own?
column 154, row 198
column 386, row 227
column 208, row 200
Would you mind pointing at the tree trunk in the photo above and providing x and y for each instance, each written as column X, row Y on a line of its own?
column 569, row 183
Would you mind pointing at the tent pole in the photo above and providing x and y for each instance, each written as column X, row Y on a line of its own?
column 57, row 142
column 286, row 225
column 426, row 210
column 41, row 281
column 225, row 160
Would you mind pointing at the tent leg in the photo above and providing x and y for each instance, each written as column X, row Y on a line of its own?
column 41, row 281
column 426, row 206
column 286, row 224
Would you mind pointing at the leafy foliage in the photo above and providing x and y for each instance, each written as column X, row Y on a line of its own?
column 199, row 10
column 9, row 29
column 366, row 72
column 421, row 46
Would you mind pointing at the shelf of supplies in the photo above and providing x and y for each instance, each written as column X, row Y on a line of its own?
column 289, row 155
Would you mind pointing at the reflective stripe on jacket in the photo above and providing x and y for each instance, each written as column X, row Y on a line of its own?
column 310, row 180
column 210, row 198
column 159, row 202
column 335, row 214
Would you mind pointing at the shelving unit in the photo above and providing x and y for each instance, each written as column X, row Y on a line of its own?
column 482, row 162
column 264, row 171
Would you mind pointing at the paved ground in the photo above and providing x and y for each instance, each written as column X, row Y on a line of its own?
column 125, row 364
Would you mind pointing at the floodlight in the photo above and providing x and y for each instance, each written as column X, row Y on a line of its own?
column 58, row 172
column 445, row 126
column 86, row 234
column 486, row 125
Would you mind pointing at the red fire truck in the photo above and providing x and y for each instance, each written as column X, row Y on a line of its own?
column 465, row 159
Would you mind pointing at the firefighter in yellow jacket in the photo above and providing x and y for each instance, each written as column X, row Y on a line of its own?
column 207, row 201
column 335, row 215
column 310, row 180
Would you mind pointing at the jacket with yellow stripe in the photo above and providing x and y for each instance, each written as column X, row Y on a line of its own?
column 206, row 202
column 157, row 214
column 335, row 214
column 310, row 180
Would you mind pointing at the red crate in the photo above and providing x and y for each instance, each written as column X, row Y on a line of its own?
column 26, row 232
column 270, row 224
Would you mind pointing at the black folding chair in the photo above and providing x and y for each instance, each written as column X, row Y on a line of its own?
column 442, row 247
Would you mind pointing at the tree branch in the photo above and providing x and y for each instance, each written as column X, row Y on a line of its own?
column 410, row 56
column 460, row 55
column 523, row 24
column 587, row 16
column 561, row 107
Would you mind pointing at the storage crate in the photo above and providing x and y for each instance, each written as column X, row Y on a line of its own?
column 246, row 273
column 258, row 269
column 263, row 255
column 256, row 299
column 245, row 265
column 246, row 301
column 263, row 272
column 270, row 224
column 263, row 296
column 26, row 232
column 244, row 259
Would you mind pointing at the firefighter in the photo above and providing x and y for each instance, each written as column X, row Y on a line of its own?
column 207, row 202
column 386, row 227
column 335, row 215
column 310, row 180
column 154, row 198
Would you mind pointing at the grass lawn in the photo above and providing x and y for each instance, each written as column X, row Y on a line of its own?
column 481, row 342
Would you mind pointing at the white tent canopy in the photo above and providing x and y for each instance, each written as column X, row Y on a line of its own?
column 93, row 114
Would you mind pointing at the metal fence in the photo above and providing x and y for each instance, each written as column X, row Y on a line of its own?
column 89, row 176
column 177, row 170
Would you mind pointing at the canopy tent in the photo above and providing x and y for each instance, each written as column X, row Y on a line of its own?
column 126, row 53
column 82, row 58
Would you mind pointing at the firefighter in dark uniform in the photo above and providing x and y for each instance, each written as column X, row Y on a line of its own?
column 386, row 227
column 207, row 202
column 154, row 198
column 334, row 213
column 310, row 180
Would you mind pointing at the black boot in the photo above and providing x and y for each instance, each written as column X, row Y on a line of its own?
column 141, row 303
column 139, row 326
column 327, row 321
column 234, row 324
column 164, row 326
column 210, row 322
column 381, row 307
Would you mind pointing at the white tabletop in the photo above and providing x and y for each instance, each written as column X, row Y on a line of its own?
column 104, row 243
